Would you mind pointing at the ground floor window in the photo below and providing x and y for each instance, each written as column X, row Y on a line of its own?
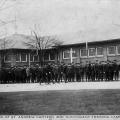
column 17, row 57
column 52, row 56
column 36, row 58
column 92, row 52
column 111, row 50
column 66, row 54
column 118, row 49
column 100, row 51
column 74, row 53
column 23, row 57
column 83, row 52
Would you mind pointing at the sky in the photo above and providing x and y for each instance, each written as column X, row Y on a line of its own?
column 73, row 19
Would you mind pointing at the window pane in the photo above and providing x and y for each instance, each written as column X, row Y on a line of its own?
column 31, row 57
column 23, row 57
column 118, row 49
column 111, row 50
column 36, row 58
column 46, row 57
column 92, row 52
column 83, row 52
column 8, row 57
column 52, row 56
column 100, row 51
column 74, row 53
column 66, row 54
column 17, row 57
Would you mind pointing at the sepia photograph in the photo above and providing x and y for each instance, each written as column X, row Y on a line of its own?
column 60, row 57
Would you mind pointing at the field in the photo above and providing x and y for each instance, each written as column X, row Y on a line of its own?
column 62, row 102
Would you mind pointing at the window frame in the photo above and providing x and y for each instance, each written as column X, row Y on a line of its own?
column 117, row 49
column 25, row 58
column 64, row 54
column 108, row 51
column 97, row 52
column 89, row 54
column 81, row 54
column 76, row 53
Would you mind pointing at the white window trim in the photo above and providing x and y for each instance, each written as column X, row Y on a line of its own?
column 83, row 56
column 64, row 56
column 95, row 52
column 108, row 51
column 6, row 61
column 117, row 50
column 21, row 58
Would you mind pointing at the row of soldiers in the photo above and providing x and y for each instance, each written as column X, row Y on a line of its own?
column 56, row 73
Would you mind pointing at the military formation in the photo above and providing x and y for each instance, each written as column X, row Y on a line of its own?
column 57, row 73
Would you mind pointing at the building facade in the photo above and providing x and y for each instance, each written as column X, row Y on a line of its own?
column 91, row 51
column 70, row 53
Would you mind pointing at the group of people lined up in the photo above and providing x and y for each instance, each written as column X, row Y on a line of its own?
column 56, row 73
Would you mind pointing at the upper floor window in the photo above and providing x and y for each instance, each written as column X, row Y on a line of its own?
column 100, row 51
column 74, row 53
column 66, row 54
column 92, row 52
column 111, row 50
column 23, row 57
column 18, row 57
column 83, row 52
column 7, row 58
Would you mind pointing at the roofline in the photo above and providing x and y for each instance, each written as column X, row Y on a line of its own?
column 90, row 42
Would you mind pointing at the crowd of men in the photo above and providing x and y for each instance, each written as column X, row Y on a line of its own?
column 56, row 73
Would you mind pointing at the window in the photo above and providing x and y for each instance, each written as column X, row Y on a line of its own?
column 111, row 50
column 31, row 57
column 23, row 57
column 66, row 54
column 83, row 53
column 74, row 53
column 92, row 52
column 46, row 56
column 17, row 57
column 52, row 56
column 35, row 58
column 99, row 51
column 118, row 49
column 7, row 58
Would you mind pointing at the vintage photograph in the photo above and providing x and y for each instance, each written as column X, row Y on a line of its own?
column 59, row 57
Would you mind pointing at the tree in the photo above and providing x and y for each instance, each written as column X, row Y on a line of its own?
column 41, row 44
